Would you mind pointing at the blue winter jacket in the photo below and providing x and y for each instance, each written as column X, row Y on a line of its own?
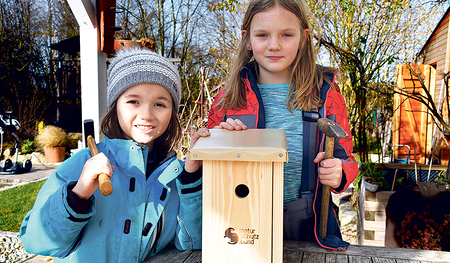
column 136, row 221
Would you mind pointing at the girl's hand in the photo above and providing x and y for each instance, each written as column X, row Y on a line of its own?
column 330, row 170
column 88, row 182
column 231, row 124
column 192, row 166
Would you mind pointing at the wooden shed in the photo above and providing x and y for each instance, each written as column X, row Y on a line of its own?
column 412, row 125
column 435, row 53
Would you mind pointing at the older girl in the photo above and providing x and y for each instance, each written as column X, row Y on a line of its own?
column 275, row 83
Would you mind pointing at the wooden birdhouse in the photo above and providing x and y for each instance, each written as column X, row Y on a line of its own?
column 242, row 194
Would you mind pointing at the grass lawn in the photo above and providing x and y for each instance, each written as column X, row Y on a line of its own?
column 15, row 203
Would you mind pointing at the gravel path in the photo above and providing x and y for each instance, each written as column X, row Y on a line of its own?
column 349, row 234
column 11, row 249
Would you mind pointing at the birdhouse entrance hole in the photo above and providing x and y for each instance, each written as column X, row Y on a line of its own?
column 242, row 190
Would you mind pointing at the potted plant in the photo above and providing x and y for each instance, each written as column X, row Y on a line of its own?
column 373, row 178
column 53, row 140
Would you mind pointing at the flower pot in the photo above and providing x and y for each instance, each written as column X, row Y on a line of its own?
column 54, row 154
column 369, row 186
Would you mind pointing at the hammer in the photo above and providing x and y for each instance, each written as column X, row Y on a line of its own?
column 104, row 183
column 332, row 130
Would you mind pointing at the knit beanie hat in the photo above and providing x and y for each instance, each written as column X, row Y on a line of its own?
column 135, row 66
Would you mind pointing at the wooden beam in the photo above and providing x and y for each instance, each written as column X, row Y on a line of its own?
column 296, row 251
column 375, row 206
column 447, row 52
column 397, row 102
column 369, row 251
column 401, row 166
column 84, row 12
column 424, row 115
column 374, row 225
column 430, row 123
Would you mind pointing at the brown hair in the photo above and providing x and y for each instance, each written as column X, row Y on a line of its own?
column 306, row 76
column 169, row 140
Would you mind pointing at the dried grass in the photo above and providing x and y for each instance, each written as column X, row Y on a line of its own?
column 52, row 136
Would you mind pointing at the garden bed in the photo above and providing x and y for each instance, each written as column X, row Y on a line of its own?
column 371, row 218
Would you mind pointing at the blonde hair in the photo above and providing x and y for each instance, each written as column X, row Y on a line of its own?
column 169, row 140
column 305, row 77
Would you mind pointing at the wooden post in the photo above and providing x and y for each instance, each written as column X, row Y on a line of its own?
column 93, row 64
column 242, row 195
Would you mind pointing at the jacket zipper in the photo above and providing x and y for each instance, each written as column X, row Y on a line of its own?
column 157, row 233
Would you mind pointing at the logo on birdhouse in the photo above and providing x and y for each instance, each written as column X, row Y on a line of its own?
column 245, row 236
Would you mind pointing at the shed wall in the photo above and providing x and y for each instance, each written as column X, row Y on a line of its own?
column 437, row 54
column 412, row 125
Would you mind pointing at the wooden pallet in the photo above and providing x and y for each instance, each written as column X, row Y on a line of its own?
column 372, row 217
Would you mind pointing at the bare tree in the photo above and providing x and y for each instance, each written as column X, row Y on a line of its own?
column 196, row 33
column 365, row 39
column 27, row 73
column 24, row 85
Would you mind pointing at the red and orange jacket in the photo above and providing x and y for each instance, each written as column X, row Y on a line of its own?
column 253, row 115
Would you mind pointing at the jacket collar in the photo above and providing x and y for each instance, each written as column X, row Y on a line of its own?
column 250, row 71
column 248, row 74
column 124, row 152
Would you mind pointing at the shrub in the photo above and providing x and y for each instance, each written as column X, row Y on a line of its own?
column 27, row 146
column 52, row 136
column 73, row 138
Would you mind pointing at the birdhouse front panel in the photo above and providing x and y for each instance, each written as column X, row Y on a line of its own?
column 242, row 198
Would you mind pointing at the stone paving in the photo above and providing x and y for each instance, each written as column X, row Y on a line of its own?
column 38, row 172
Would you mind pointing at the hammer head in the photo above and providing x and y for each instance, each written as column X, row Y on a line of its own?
column 331, row 128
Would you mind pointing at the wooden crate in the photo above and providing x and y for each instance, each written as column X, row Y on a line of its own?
column 242, row 195
column 372, row 216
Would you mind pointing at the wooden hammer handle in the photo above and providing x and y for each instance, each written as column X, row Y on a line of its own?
column 104, row 183
column 329, row 149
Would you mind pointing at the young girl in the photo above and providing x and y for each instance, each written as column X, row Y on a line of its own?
column 154, row 200
column 275, row 83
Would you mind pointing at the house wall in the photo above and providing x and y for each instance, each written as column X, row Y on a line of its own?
column 437, row 54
